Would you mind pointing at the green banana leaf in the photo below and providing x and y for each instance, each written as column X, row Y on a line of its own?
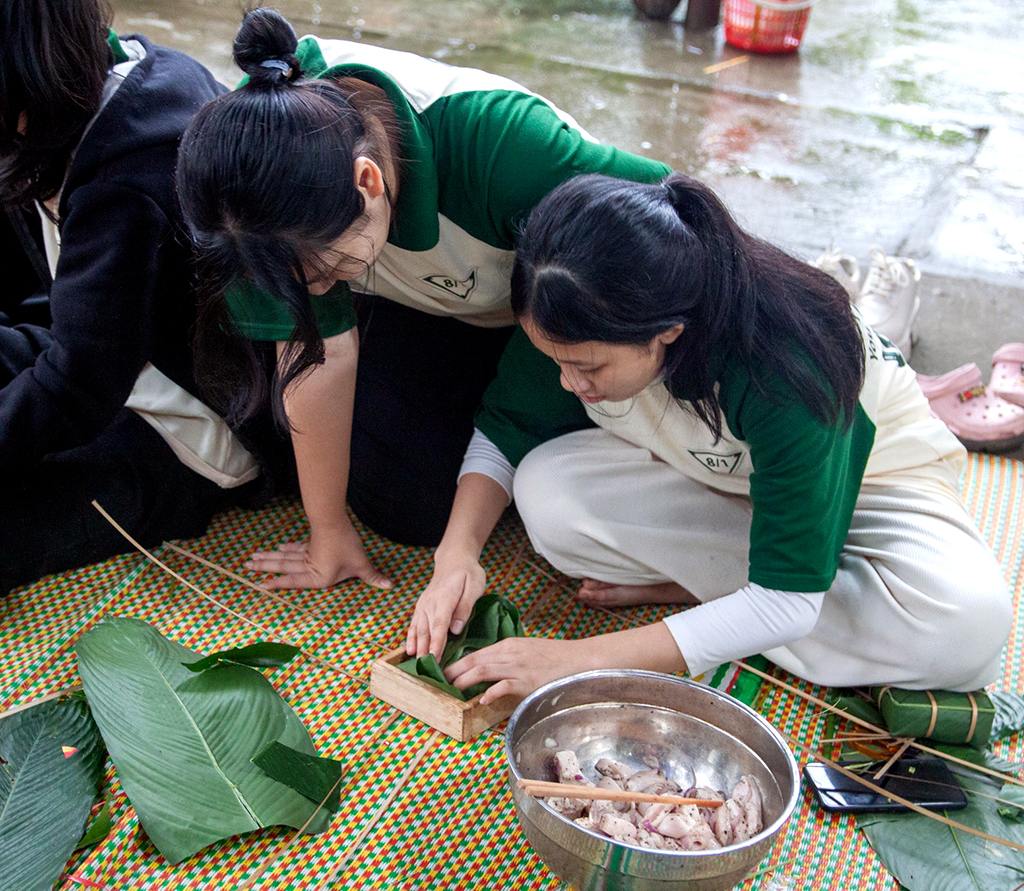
column 1009, row 717
column 98, row 829
column 1011, row 802
column 849, row 702
column 45, row 795
column 181, row 742
column 493, row 618
column 318, row 779
column 262, row 654
column 926, row 855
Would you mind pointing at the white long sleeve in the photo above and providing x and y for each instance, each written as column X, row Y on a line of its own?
column 750, row 620
column 483, row 456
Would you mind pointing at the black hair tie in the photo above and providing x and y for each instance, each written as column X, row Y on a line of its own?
column 279, row 65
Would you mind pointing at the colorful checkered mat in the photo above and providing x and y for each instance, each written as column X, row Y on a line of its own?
column 419, row 810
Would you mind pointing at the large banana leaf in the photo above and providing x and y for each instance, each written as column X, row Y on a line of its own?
column 182, row 742
column 51, row 762
column 926, row 855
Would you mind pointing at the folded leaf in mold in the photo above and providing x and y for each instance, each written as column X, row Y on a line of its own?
column 493, row 618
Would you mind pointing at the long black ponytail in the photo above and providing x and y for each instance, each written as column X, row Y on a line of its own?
column 603, row 259
column 266, row 184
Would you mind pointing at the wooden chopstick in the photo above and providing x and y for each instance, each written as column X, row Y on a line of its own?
column 544, row 789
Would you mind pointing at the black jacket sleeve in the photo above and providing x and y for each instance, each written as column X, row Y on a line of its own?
column 117, row 243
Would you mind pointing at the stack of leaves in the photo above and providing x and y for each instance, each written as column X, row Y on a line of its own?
column 925, row 854
column 51, row 763
column 204, row 748
column 493, row 618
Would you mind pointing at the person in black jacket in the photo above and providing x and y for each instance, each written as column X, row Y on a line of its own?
column 98, row 399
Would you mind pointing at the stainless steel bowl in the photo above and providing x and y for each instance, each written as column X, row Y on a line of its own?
column 693, row 733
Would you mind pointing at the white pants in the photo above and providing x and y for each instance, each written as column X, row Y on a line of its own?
column 919, row 600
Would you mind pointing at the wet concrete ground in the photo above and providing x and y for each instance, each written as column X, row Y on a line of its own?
column 898, row 123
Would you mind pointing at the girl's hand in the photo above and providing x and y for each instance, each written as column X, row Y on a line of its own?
column 445, row 604
column 520, row 665
column 323, row 562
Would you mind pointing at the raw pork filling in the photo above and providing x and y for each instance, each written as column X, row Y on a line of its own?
column 668, row 827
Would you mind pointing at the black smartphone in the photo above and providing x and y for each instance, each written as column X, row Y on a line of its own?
column 927, row 782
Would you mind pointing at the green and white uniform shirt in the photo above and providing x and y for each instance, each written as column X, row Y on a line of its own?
column 479, row 152
column 802, row 477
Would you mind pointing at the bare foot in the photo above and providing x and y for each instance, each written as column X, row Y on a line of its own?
column 595, row 593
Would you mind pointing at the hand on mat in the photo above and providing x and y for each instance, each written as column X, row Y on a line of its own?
column 445, row 604
column 322, row 562
column 519, row 665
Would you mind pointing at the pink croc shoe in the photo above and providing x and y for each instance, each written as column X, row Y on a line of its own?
column 1008, row 373
column 982, row 421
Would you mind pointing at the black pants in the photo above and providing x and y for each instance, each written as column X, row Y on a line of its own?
column 419, row 382
column 47, row 521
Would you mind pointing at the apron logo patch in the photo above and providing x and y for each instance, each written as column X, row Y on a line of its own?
column 718, row 463
column 453, row 286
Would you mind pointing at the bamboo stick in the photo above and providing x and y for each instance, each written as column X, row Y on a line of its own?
column 1006, row 778
column 884, row 769
column 154, row 559
column 267, row 592
column 14, row 709
column 953, row 824
column 544, row 789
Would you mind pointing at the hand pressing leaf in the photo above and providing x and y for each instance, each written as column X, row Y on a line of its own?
column 493, row 618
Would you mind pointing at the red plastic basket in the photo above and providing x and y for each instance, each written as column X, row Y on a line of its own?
column 766, row 26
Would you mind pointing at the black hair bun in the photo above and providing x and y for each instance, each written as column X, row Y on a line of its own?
column 266, row 36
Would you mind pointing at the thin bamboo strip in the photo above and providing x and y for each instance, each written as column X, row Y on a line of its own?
column 544, row 789
column 67, row 691
column 274, row 595
column 154, row 559
column 400, row 786
column 557, row 585
column 283, row 848
column 856, row 737
column 884, row 769
column 541, row 602
column 953, row 824
column 721, row 66
column 78, row 880
column 1006, row 778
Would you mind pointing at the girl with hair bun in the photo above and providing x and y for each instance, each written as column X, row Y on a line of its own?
column 761, row 457
column 98, row 400
column 358, row 207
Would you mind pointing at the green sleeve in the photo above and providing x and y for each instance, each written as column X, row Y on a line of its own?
column 498, row 152
column 258, row 315
column 114, row 42
column 525, row 404
column 804, row 486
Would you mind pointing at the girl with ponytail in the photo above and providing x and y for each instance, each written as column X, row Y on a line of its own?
column 761, row 457
column 357, row 208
